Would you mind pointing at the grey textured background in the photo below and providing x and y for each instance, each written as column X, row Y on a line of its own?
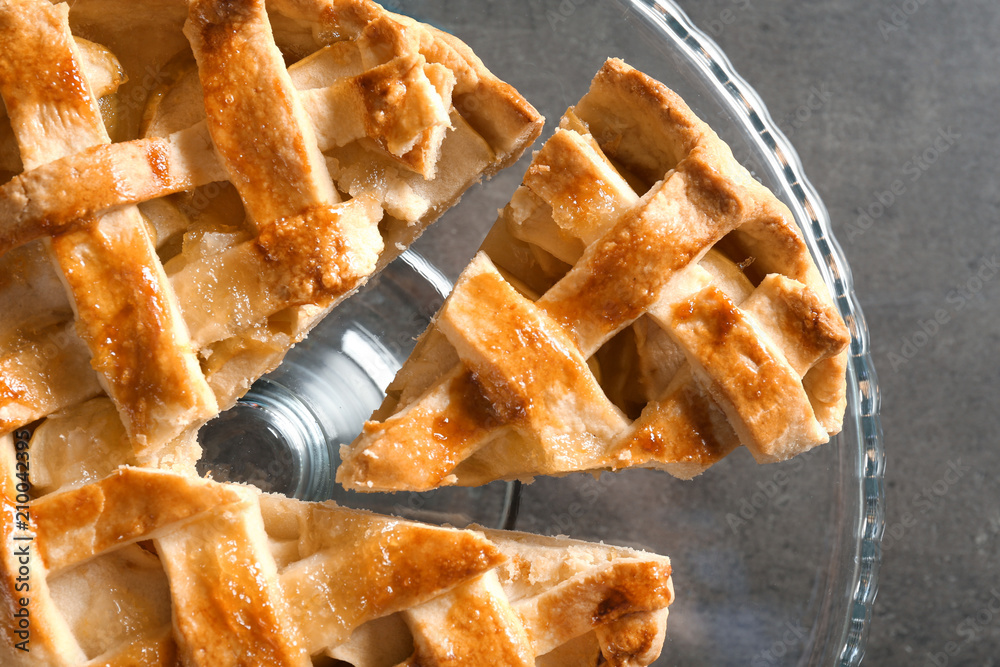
column 892, row 108
column 864, row 90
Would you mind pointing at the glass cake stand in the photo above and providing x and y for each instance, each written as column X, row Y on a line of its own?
column 772, row 564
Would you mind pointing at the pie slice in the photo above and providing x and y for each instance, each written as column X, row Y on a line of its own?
column 179, row 205
column 150, row 567
column 642, row 301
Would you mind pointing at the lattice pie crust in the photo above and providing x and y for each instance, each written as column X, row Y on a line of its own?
column 165, row 239
column 240, row 201
column 149, row 567
column 642, row 301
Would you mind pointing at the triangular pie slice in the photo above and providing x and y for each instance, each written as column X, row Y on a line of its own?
column 642, row 301
column 150, row 567
column 179, row 205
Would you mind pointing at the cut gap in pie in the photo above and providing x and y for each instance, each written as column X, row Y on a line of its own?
column 217, row 177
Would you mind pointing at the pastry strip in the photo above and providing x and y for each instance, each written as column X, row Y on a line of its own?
column 612, row 274
column 125, row 309
column 229, row 608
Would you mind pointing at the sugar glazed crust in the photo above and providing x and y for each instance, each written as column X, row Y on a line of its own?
column 178, row 207
column 150, row 567
column 642, row 301
column 242, row 200
column 187, row 189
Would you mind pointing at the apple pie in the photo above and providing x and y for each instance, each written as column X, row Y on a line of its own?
column 187, row 188
column 151, row 567
column 641, row 301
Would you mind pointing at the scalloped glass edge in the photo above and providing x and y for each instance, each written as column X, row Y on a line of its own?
column 808, row 208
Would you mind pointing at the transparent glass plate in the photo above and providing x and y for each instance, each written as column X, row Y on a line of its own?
column 772, row 564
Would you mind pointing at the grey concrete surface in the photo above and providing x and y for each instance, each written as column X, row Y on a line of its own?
column 893, row 108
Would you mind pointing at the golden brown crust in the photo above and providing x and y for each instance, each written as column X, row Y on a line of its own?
column 324, row 252
column 639, row 122
column 473, row 625
column 103, row 177
column 583, row 190
column 583, row 603
column 379, row 567
column 42, row 371
column 623, row 273
column 238, row 65
column 129, row 505
column 125, row 310
column 395, row 105
column 566, row 589
column 493, row 107
column 229, row 608
column 553, row 597
column 791, row 311
column 760, row 392
column 631, row 233
column 157, row 651
column 498, row 388
column 131, row 324
column 384, row 112
column 271, row 581
column 260, row 579
column 432, row 444
column 683, row 431
column 35, row 38
column 633, row 639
